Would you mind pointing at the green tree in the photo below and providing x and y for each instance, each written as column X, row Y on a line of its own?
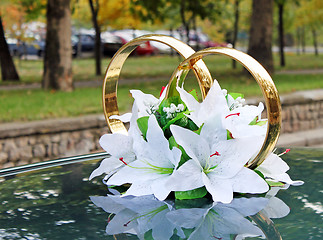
column 188, row 10
column 310, row 15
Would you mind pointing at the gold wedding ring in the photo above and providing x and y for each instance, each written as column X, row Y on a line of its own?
column 263, row 79
column 194, row 61
column 110, row 84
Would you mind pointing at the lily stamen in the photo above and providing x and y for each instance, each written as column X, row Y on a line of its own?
column 121, row 159
column 233, row 114
column 215, row 154
column 126, row 224
column 286, row 151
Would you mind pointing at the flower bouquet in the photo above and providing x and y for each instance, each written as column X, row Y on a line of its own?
column 178, row 146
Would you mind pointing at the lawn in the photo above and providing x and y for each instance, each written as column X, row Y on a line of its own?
column 27, row 105
column 156, row 66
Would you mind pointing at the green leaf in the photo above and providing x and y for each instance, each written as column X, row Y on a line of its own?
column 172, row 89
column 184, row 156
column 193, row 92
column 260, row 174
column 148, row 235
column 275, row 184
column 198, row 131
column 258, row 123
column 192, row 203
column 167, row 101
column 173, row 120
column 236, row 95
column 191, row 125
column 261, row 123
column 229, row 135
column 191, row 194
column 143, row 125
column 254, row 121
column 172, row 143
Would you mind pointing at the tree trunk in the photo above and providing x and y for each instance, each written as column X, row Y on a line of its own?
column 260, row 37
column 8, row 69
column 315, row 42
column 235, row 28
column 185, row 22
column 97, row 47
column 58, row 49
column 303, row 42
column 298, row 37
column 281, row 33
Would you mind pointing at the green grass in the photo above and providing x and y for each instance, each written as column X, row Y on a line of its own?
column 27, row 105
column 157, row 66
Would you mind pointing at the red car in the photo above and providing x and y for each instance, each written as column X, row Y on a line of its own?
column 143, row 49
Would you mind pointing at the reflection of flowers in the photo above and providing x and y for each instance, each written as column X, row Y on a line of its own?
column 220, row 220
column 179, row 144
column 138, row 215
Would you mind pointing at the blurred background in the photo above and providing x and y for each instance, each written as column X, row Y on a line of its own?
column 54, row 53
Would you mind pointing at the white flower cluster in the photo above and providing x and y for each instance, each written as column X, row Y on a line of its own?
column 172, row 110
column 213, row 160
column 152, row 106
column 233, row 103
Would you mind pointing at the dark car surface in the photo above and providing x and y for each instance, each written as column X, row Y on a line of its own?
column 54, row 202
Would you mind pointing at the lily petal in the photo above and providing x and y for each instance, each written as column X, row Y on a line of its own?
column 234, row 154
column 106, row 166
column 247, row 181
column 124, row 118
column 220, row 189
column 195, row 145
column 112, row 143
column 187, row 177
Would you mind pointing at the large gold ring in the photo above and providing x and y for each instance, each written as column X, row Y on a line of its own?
column 110, row 84
column 194, row 61
column 263, row 79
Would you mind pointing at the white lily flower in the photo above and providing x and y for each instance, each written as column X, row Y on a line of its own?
column 239, row 119
column 220, row 220
column 120, row 147
column 274, row 168
column 154, row 165
column 219, row 166
column 147, row 103
column 213, row 103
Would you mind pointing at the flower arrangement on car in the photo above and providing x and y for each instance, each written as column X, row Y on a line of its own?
column 177, row 144
column 180, row 147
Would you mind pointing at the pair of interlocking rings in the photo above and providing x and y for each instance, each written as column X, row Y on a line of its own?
column 193, row 60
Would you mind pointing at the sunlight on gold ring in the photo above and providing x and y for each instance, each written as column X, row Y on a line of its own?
column 263, row 79
column 110, row 83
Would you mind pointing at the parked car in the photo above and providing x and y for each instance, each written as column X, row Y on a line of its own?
column 13, row 46
column 20, row 49
column 144, row 49
column 110, row 43
column 201, row 40
column 85, row 41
